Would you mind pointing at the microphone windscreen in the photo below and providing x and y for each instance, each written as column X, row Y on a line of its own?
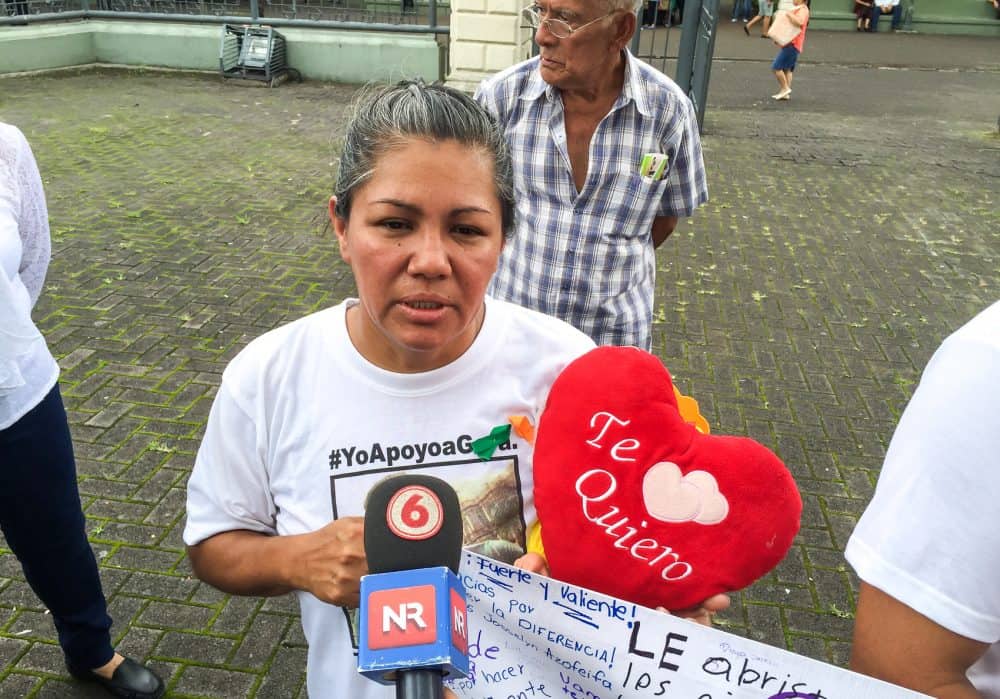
column 412, row 521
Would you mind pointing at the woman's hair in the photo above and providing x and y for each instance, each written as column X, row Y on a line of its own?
column 387, row 117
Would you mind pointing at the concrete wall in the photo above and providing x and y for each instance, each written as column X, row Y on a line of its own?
column 45, row 46
column 194, row 47
column 319, row 54
column 358, row 57
column 486, row 36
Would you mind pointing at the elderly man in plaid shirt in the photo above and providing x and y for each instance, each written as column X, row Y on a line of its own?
column 606, row 159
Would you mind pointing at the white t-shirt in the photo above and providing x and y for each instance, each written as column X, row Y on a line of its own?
column 303, row 426
column 931, row 535
column 27, row 369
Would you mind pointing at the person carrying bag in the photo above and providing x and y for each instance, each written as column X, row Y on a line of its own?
column 788, row 30
column 782, row 31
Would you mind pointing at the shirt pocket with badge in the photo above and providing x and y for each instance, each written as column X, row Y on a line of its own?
column 635, row 203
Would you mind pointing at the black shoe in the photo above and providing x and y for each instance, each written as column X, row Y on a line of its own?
column 130, row 681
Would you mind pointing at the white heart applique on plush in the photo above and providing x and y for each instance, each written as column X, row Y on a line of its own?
column 671, row 497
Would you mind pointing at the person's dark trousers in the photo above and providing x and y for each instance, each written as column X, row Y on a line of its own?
column 742, row 9
column 649, row 12
column 678, row 12
column 41, row 518
column 897, row 17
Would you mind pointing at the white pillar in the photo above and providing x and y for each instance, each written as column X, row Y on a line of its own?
column 485, row 37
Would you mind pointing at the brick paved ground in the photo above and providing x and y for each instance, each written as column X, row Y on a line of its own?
column 798, row 306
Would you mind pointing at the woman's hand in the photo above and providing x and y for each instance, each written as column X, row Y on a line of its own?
column 534, row 563
column 331, row 562
column 328, row 562
column 703, row 613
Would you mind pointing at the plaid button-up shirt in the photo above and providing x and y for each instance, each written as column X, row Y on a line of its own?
column 587, row 257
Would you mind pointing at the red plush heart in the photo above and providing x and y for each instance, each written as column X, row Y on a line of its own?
column 636, row 503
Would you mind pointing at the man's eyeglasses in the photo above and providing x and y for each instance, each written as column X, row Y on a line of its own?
column 558, row 28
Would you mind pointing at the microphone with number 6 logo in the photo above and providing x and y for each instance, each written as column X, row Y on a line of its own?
column 413, row 611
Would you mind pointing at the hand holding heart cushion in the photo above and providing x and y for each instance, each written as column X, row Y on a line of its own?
column 636, row 503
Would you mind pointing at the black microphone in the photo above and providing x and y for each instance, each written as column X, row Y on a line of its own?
column 413, row 613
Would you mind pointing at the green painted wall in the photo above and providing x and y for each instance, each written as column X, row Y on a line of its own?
column 193, row 47
column 358, row 57
column 929, row 16
column 45, row 46
column 320, row 54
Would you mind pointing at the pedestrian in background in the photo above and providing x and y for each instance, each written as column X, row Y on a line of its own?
column 40, row 512
column 764, row 11
column 788, row 56
column 742, row 9
column 649, row 14
column 887, row 7
column 863, row 14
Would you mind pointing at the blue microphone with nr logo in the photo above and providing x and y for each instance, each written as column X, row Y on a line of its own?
column 413, row 624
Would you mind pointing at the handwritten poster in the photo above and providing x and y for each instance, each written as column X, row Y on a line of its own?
column 532, row 637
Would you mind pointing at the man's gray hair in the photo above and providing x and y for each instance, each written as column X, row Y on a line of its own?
column 630, row 5
column 387, row 117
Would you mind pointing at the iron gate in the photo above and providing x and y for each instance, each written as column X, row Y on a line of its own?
column 687, row 56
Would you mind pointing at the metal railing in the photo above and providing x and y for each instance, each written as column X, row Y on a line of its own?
column 26, row 8
column 694, row 56
column 412, row 16
column 699, row 20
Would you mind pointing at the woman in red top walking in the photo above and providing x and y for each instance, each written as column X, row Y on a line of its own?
column 784, row 62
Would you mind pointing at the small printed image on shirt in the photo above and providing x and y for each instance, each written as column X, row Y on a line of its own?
column 653, row 166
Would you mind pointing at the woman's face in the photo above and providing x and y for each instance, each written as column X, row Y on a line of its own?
column 423, row 239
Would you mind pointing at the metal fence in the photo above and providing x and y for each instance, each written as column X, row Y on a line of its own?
column 383, row 15
column 679, row 36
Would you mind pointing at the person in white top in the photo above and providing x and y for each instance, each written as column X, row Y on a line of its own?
column 39, row 502
column 313, row 414
column 927, row 548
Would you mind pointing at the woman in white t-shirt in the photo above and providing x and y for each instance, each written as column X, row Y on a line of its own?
column 39, row 502
column 311, row 415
